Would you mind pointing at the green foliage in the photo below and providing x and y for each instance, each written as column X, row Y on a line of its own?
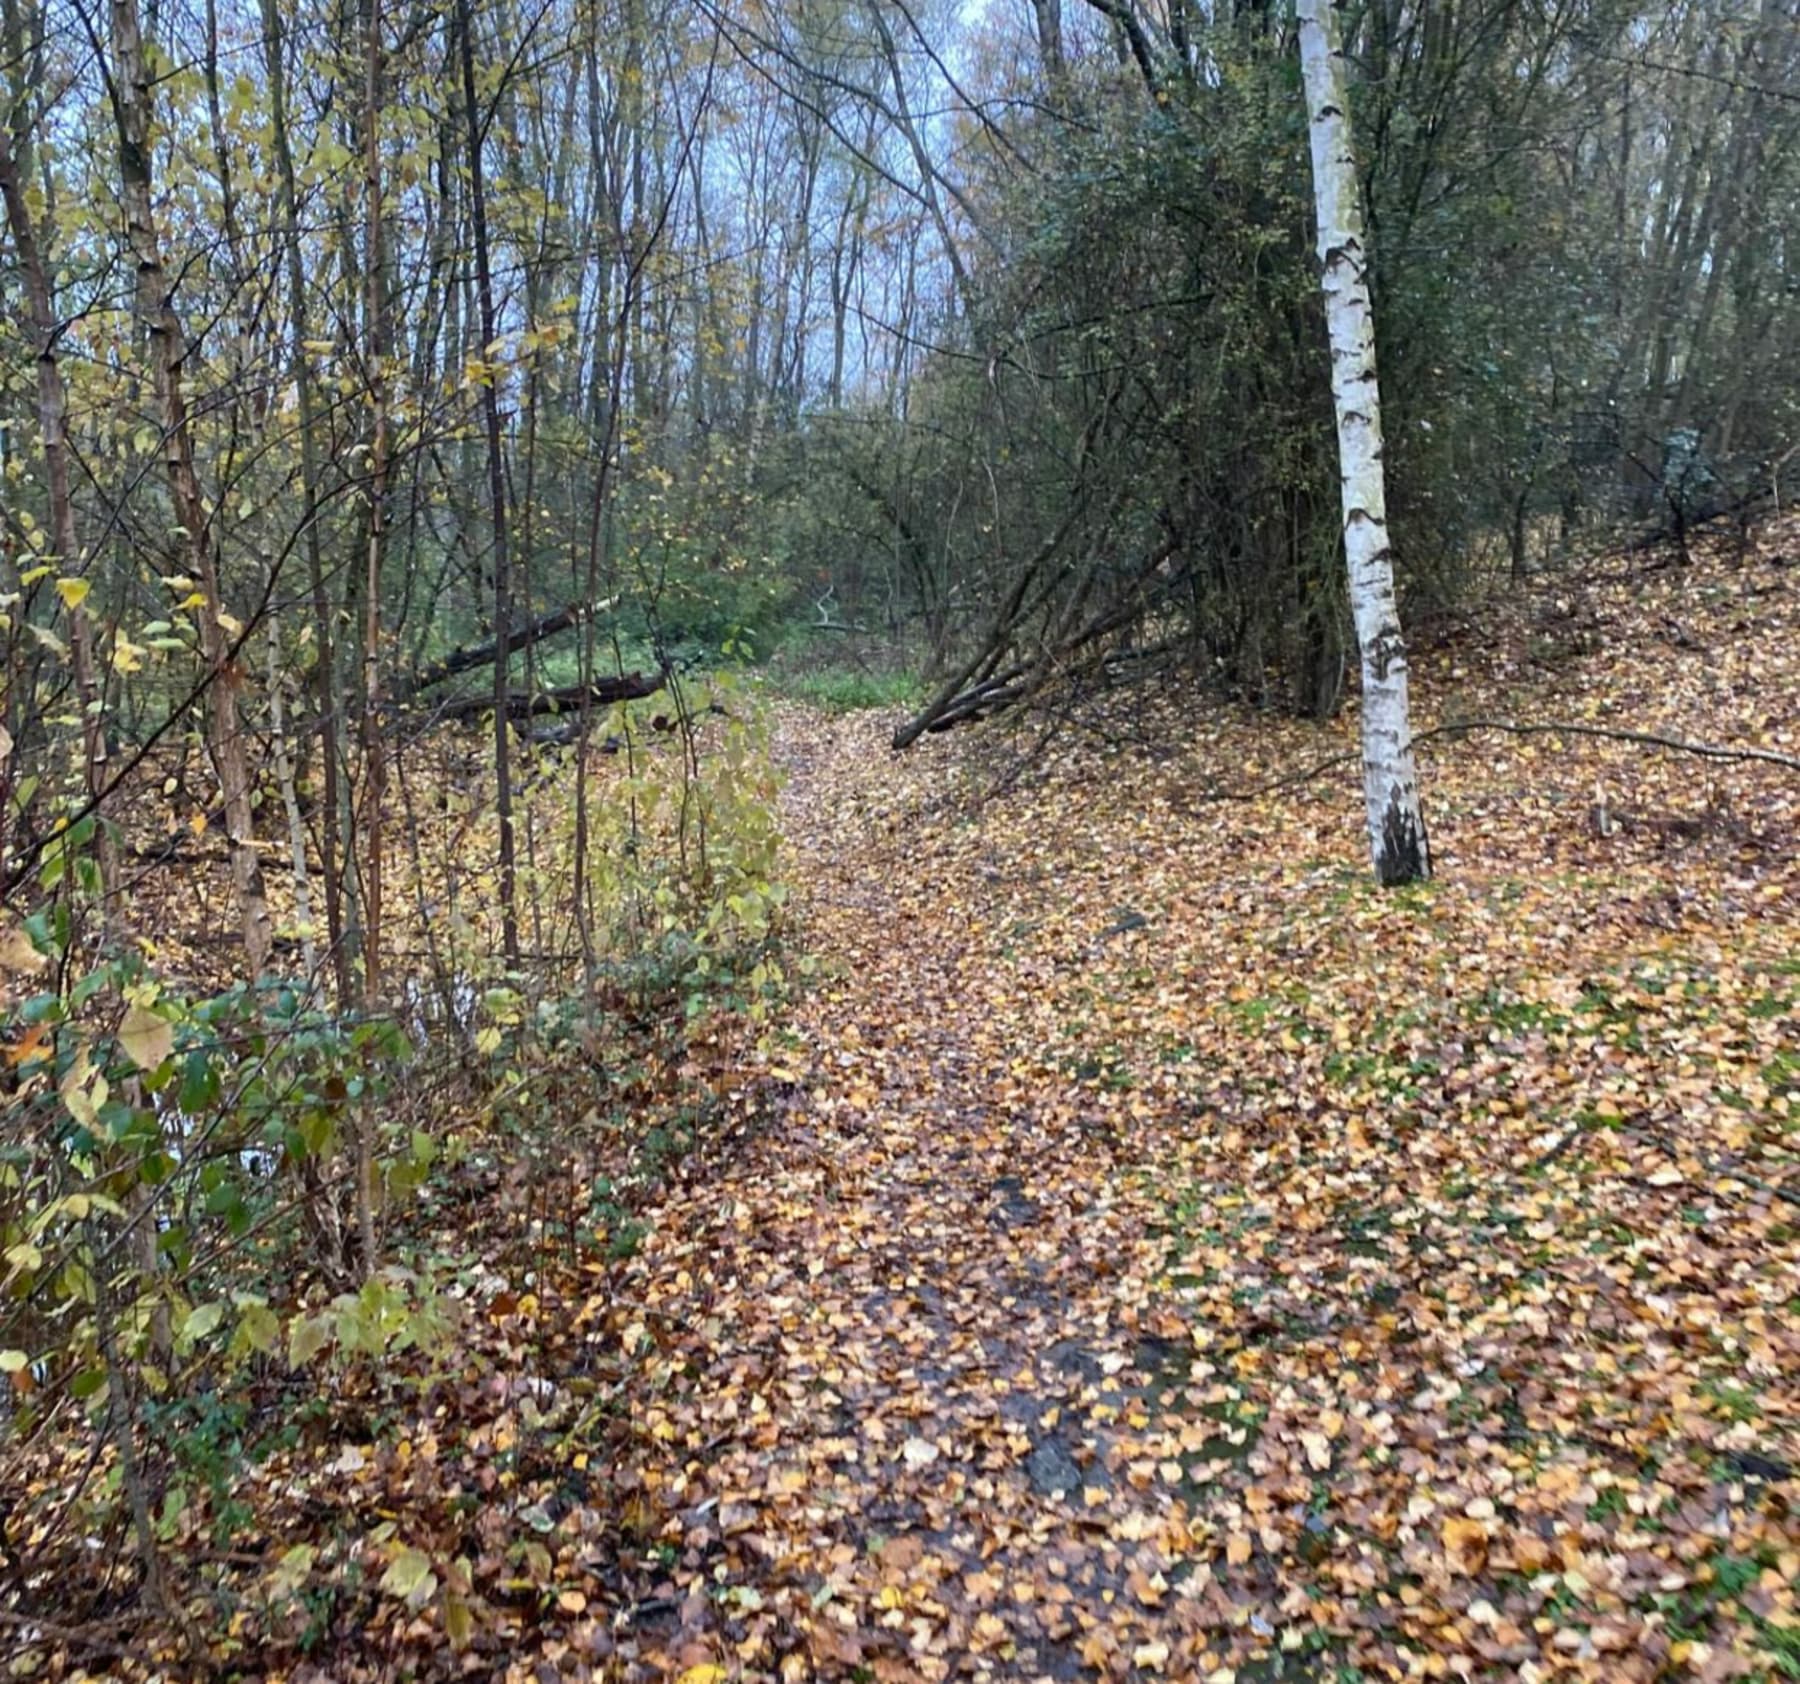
column 683, row 869
column 837, row 690
column 699, row 562
column 165, row 1153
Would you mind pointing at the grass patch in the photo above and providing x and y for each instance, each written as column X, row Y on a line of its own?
column 839, row 690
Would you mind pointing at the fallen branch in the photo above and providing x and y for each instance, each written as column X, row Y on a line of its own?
column 565, row 698
column 485, row 654
column 76, row 1637
column 1517, row 728
column 951, row 694
column 973, row 695
column 1609, row 733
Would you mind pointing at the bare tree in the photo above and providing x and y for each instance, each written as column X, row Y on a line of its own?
column 131, row 88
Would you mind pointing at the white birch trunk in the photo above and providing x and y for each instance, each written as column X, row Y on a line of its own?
column 1390, row 784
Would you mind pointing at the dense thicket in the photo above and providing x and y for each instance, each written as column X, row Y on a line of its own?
column 1584, row 295
column 875, row 314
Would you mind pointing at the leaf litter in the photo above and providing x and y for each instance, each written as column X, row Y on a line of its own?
column 1174, row 1256
column 1148, row 1250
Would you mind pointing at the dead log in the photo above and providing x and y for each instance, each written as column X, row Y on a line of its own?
column 975, row 697
column 565, row 698
column 565, row 733
column 485, row 654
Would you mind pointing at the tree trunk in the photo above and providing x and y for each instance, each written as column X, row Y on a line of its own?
column 52, row 418
column 328, row 688
column 373, row 749
column 1397, row 840
column 496, row 469
column 132, row 84
column 290, row 806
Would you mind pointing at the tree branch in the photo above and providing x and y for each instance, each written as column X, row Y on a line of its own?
column 1519, row 728
column 1617, row 734
column 485, row 654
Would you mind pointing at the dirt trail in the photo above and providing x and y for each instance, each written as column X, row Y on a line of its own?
column 897, row 1446
column 1157, row 1253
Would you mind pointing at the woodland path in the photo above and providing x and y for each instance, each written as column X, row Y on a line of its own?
column 1147, row 1250
column 920, row 1295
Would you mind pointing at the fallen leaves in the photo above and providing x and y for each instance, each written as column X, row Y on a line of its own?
column 1402, row 1284
column 1465, row 1545
column 410, row 1577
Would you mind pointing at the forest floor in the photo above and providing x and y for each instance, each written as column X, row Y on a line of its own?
column 1171, row 1255
column 1149, row 1250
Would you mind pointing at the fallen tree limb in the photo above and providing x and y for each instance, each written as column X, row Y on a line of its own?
column 485, row 654
column 1519, row 728
column 565, row 698
column 976, row 692
column 950, row 695
column 1617, row 734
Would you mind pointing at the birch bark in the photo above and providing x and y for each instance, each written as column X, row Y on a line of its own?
column 1397, row 841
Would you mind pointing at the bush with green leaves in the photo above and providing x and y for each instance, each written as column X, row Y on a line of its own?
column 164, row 1154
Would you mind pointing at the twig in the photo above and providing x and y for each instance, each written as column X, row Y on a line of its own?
column 1607, row 733
column 73, row 1635
column 1518, row 728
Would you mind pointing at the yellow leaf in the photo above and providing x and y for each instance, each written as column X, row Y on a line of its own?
column 1237, row 1549
column 292, row 1570
column 409, row 1576
column 1465, row 1545
column 73, row 592
column 708, row 1672
column 147, row 1038
column 459, row 1621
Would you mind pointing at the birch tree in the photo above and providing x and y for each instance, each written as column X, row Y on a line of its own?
column 1397, row 840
